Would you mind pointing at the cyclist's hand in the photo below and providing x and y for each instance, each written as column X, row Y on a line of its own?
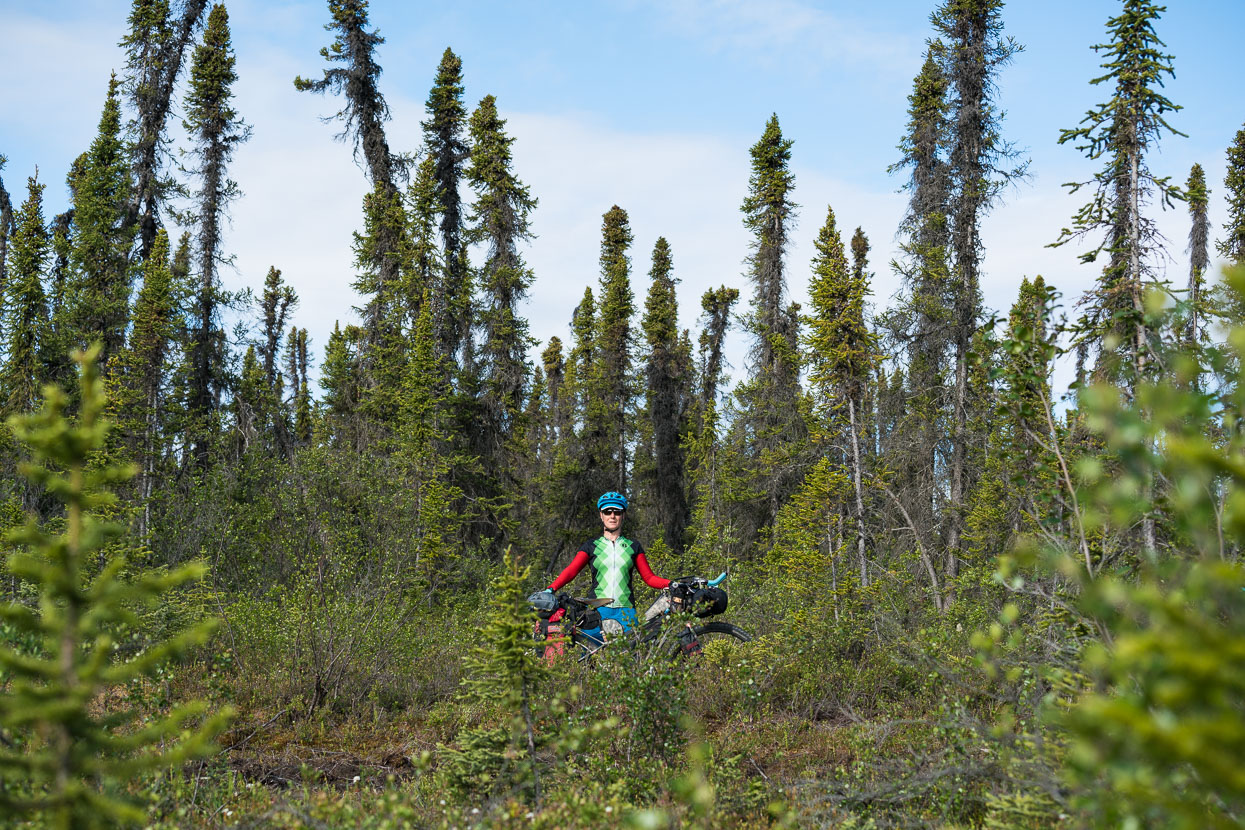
column 543, row 600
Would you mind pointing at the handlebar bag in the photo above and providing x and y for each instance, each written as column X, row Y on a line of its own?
column 708, row 602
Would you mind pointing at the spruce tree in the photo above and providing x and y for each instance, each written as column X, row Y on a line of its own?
column 216, row 130
column 253, row 407
column 424, row 270
column 582, row 355
column 141, row 380
column 296, row 369
column 716, row 305
column 1027, row 359
column 1232, row 246
column 610, row 391
column 446, row 146
column 1197, row 195
column 60, row 284
column 499, row 221
column 770, row 399
column 7, row 225
column 576, row 470
column 364, row 115
column 842, row 356
column 382, row 257
column 1122, row 131
column 426, row 452
column 274, row 306
column 917, row 411
column 25, row 330
column 155, row 47
column 365, row 111
column 99, row 296
column 707, row 489
column 668, row 392
column 340, row 380
column 75, row 760
column 977, row 157
column 505, row 672
column 554, row 368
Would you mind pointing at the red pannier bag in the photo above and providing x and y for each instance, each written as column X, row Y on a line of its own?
column 551, row 629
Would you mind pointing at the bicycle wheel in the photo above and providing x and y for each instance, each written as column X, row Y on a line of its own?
column 722, row 629
column 708, row 632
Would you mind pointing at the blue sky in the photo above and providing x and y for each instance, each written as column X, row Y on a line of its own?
column 650, row 104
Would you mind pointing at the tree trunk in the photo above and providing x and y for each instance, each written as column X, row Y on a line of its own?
column 1140, row 338
column 860, row 502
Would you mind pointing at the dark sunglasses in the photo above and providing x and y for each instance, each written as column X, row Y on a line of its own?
column 611, row 511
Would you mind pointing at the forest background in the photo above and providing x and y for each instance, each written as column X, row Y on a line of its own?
column 980, row 601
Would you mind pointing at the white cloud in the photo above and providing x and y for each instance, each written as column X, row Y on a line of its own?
column 786, row 30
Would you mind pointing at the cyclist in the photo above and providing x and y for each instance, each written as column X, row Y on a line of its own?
column 613, row 558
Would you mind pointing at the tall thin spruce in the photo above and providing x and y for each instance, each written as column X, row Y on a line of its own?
column 446, row 146
column 98, row 295
column 499, row 220
column 921, row 326
column 770, row 399
column 668, row 372
column 611, row 395
column 155, row 47
column 354, row 73
column 980, row 163
column 216, row 130
column 1124, row 130
column 7, row 226
column 25, row 324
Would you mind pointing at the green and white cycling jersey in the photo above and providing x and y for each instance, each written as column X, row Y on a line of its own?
column 613, row 562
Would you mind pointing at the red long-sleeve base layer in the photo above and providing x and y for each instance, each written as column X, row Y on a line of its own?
column 572, row 570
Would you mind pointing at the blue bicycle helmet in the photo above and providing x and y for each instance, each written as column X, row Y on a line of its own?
column 612, row 499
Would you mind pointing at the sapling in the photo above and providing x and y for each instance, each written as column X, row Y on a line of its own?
column 67, row 751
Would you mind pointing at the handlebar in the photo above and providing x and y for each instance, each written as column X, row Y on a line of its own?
column 713, row 583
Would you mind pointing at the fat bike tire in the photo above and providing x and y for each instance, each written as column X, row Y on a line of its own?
column 710, row 631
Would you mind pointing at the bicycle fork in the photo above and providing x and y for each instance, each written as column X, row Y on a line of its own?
column 689, row 643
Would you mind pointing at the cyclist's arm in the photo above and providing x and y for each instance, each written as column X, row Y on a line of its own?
column 571, row 571
column 651, row 579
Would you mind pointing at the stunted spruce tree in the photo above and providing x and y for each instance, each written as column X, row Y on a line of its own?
column 70, row 761
column 842, row 357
